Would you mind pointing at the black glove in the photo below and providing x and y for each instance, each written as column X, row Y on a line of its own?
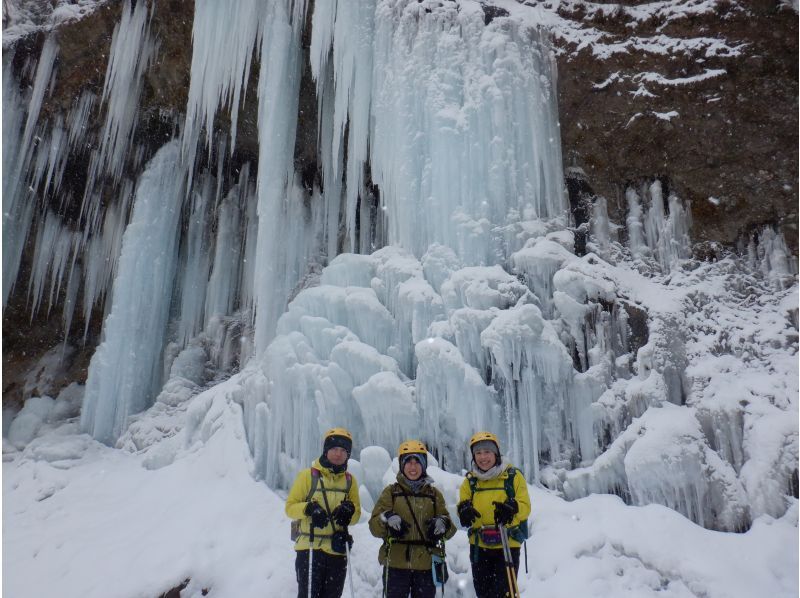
column 343, row 513
column 504, row 511
column 319, row 518
column 467, row 514
column 395, row 525
column 436, row 527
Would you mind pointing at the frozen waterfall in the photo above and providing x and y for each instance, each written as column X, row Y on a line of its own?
column 412, row 274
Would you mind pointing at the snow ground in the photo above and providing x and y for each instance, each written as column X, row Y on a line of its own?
column 84, row 520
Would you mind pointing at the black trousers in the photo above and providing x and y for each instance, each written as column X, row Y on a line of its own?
column 402, row 583
column 489, row 572
column 328, row 573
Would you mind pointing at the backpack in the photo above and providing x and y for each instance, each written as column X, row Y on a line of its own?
column 518, row 532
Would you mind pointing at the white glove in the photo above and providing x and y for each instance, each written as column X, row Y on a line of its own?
column 393, row 520
column 439, row 527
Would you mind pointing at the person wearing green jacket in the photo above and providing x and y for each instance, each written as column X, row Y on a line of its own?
column 322, row 502
column 412, row 519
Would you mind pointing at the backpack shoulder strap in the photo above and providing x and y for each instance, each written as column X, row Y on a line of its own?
column 509, row 483
column 349, row 477
column 473, row 484
column 314, row 481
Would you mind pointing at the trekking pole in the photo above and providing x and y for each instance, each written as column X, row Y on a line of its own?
column 349, row 568
column 511, row 574
column 310, row 556
column 525, row 545
column 386, row 566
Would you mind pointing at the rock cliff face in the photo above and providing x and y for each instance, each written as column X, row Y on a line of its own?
column 700, row 95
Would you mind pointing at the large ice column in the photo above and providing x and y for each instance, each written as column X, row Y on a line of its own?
column 224, row 281
column 287, row 225
column 125, row 371
column 464, row 131
column 342, row 45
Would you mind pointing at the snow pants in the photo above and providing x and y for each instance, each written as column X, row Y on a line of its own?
column 327, row 575
column 489, row 572
column 402, row 583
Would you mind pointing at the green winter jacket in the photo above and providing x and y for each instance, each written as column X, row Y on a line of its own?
column 411, row 551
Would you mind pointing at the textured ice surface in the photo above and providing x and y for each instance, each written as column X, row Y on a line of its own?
column 125, row 371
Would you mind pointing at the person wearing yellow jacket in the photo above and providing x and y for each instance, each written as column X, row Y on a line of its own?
column 493, row 494
column 323, row 501
column 412, row 519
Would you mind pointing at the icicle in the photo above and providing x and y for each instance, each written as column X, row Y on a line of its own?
column 227, row 256
column 463, row 124
column 55, row 245
column 453, row 401
column 600, row 226
column 537, row 263
column 282, row 212
column 224, row 35
column 533, row 373
column 132, row 51
column 772, row 258
column 196, row 260
column 18, row 199
column 250, row 228
column 125, row 371
column 79, row 118
column 636, row 242
column 653, row 234
column 101, row 254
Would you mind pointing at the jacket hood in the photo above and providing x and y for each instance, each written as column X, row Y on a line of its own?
column 492, row 473
column 407, row 484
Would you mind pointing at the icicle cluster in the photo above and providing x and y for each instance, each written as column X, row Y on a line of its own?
column 657, row 231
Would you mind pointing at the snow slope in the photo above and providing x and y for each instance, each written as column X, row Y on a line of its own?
column 84, row 520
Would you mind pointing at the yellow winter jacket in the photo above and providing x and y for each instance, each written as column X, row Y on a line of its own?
column 487, row 493
column 333, row 485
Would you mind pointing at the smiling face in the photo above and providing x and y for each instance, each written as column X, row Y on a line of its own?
column 412, row 469
column 485, row 459
column 336, row 455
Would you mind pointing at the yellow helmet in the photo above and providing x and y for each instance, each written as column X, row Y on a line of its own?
column 338, row 432
column 337, row 437
column 478, row 437
column 410, row 447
